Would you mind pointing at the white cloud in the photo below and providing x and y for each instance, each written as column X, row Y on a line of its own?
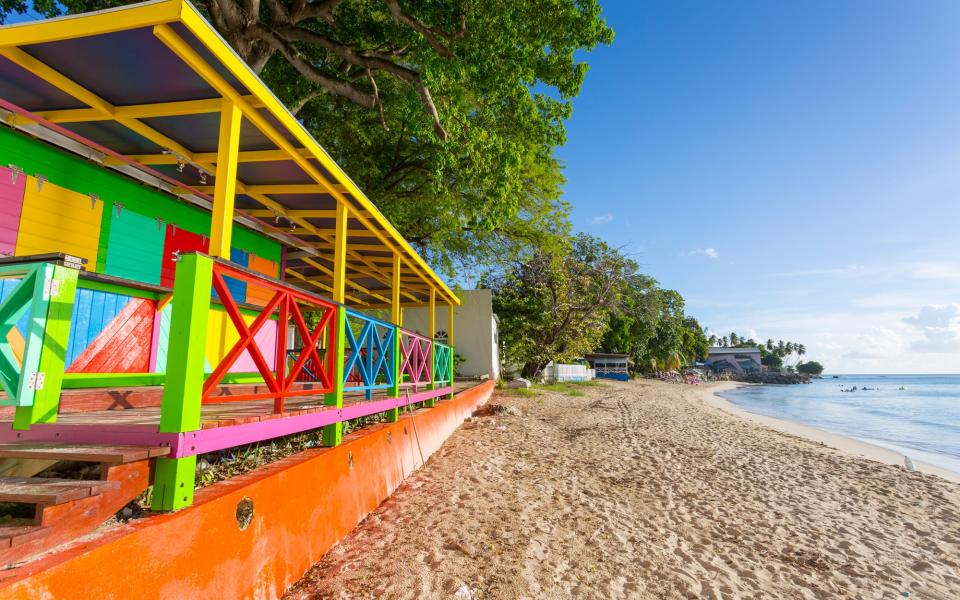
column 710, row 252
column 939, row 324
column 923, row 270
column 602, row 219
column 942, row 270
column 846, row 270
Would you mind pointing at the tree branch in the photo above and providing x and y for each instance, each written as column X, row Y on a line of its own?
column 431, row 34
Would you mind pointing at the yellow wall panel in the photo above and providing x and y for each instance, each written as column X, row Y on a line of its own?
column 55, row 219
column 221, row 337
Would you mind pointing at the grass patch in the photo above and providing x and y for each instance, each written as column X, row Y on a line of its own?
column 591, row 383
column 569, row 387
column 521, row 392
column 552, row 387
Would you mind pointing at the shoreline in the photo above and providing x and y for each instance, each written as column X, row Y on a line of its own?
column 711, row 396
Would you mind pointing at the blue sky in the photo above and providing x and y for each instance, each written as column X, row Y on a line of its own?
column 793, row 169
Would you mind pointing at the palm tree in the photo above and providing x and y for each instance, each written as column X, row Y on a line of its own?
column 734, row 340
column 724, row 341
column 770, row 345
column 713, row 340
column 781, row 349
column 801, row 350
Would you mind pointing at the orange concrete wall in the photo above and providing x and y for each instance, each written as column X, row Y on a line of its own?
column 303, row 505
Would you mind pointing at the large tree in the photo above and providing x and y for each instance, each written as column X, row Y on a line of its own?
column 445, row 112
column 555, row 305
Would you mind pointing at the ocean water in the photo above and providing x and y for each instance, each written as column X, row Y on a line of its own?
column 921, row 420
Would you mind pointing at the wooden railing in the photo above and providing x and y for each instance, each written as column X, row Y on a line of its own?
column 416, row 359
column 369, row 353
column 283, row 310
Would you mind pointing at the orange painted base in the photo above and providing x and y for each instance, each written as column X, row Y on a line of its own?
column 302, row 506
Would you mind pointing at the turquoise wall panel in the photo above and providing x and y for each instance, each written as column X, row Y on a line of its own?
column 135, row 247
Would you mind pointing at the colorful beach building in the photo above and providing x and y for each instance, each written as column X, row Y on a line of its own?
column 738, row 361
column 185, row 270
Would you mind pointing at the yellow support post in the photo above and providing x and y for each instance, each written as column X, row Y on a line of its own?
column 333, row 434
column 224, row 193
column 396, row 317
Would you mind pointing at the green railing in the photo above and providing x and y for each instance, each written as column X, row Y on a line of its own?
column 34, row 327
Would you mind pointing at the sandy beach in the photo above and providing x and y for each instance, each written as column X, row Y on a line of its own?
column 649, row 490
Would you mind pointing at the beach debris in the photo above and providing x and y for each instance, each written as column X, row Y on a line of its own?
column 908, row 463
column 518, row 384
column 463, row 593
column 463, row 546
column 503, row 409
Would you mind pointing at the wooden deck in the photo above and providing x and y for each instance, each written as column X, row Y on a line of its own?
column 223, row 424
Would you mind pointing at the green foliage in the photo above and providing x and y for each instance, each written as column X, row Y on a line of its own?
column 811, row 367
column 772, row 360
column 556, row 304
column 651, row 327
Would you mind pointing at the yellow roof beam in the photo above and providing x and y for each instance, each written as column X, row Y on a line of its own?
column 284, row 188
column 350, row 283
column 303, row 214
column 101, row 22
column 138, row 111
column 322, row 286
column 248, row 156
column 357, row 247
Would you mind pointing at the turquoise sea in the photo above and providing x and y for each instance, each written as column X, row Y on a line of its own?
column 916, row 415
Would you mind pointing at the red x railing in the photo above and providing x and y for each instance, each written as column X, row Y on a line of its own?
column 284, row 307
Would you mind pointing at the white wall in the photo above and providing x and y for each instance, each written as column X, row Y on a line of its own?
column 474, row 332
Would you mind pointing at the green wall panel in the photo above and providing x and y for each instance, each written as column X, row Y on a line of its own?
column 135, row 247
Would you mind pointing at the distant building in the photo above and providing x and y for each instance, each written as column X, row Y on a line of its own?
column 475, row 331
column 733, row 360
column 610, row 366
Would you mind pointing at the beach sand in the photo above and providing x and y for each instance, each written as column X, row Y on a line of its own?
column 647, row 490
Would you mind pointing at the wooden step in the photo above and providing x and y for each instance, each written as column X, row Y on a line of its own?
column 82, row 452
column 42, row 490
column 19, row 531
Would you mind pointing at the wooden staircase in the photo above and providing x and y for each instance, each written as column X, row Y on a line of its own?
column 65, row 509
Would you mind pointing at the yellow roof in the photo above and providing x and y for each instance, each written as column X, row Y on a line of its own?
column 147, row 82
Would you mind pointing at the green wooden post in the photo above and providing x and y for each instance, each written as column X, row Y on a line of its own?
column 433, row 372
column 333, row 434
column 180, row 409
column 393, row 415
column 53, row 352
column 450, row 342
column 451, row 394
